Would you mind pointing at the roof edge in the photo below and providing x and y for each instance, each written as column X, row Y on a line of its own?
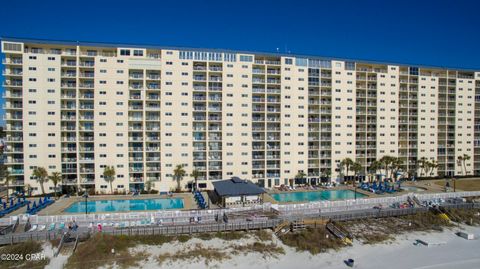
column 262, row 53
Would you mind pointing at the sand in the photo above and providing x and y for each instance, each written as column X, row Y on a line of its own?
column 456, row 253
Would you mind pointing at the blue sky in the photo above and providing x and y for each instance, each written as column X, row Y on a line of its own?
column 440, row 33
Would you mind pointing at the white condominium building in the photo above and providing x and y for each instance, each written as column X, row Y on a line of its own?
column 75, row 107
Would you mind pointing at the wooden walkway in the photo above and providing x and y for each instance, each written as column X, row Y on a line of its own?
column 270, row 223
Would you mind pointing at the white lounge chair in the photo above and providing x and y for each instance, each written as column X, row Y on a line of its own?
column 33, row 228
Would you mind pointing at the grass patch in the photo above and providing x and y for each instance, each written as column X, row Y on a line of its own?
column 313, row 240
column 462, row 184
column 267, row 250
column 29, row 247
column 373, row 231
column 55, row 242
column 208, row 254
column 468, row 216
column 96, row 252
column 197, row 253
column 263, row 235
column 230, row 236
column 375, row 238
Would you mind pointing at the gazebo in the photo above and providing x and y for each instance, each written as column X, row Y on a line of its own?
column 236, row 192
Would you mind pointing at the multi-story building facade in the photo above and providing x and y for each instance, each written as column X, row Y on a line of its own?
column 76, row 107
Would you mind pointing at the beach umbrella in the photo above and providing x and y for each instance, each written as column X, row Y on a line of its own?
column 4, row 205
column 28, row 207
column 34, row 204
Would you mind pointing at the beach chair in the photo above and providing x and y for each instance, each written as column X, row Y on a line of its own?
column 33, row 228
column 41, row 228
column 61, row 226
column 51, row 227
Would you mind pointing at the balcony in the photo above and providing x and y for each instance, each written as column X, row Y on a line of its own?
column 15, row 61
column 87, row 64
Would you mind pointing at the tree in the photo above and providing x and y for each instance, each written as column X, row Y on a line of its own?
column 356, row 168
column 178, row 175
column 195, row 174
column 42, row 177
column 109, row 176
column 7, row 178
column 55, row 178
column 346, row 164
column 465, row 158
column 386, row 162
column 327, row 173
column 300, row 175
column 423, row 164
column 396, row 165
column 28, row 189
column 149, row 185
column 432, row 165
column 374, row 167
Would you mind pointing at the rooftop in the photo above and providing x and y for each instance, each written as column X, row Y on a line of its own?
column 236, row 187
column 271, row 54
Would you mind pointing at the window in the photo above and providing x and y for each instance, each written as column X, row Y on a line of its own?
column 350, row 66
column 125, row 52
column 137, row 52
column 246, row 58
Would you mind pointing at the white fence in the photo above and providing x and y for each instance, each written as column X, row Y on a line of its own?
column 362, row 203
column 181, row 217
column 166, row 216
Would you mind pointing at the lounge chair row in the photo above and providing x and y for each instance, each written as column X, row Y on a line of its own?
column 200, row 200
column 6, row 209
column 379, row 188
column 41, row 205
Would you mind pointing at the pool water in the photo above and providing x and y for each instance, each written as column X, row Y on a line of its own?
column 126, row 205
column 310, row 196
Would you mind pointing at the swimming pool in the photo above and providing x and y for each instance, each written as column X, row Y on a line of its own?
column 310, row 196
column 126, row 205
column 413, row 189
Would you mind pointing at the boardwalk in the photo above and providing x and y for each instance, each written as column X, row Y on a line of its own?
column 265, row 216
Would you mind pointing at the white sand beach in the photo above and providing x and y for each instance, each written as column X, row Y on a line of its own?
column 456, row 252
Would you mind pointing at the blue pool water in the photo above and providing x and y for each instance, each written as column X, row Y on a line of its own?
column 310, row 196
column 125, row 205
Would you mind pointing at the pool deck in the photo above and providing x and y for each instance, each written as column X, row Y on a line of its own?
column 428, row 186
column 58, row 208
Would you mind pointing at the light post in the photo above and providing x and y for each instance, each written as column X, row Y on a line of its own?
column 86, row 208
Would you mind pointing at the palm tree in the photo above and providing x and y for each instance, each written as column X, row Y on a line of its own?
column 8, row 178
column 386, row 161
column 27, row 189
column 42, row 177
column 465, row 158
column 327, row 173
column 178, row 175
column 356, row 168
column 195, row 174
column 374, row 167
column 55, row 178
column 109, row 175
column 149, row 185
column 396, row 164
column 300, row 175
column 459, row 162
column 346, row 164
column 422, row 164
column 432, row 165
